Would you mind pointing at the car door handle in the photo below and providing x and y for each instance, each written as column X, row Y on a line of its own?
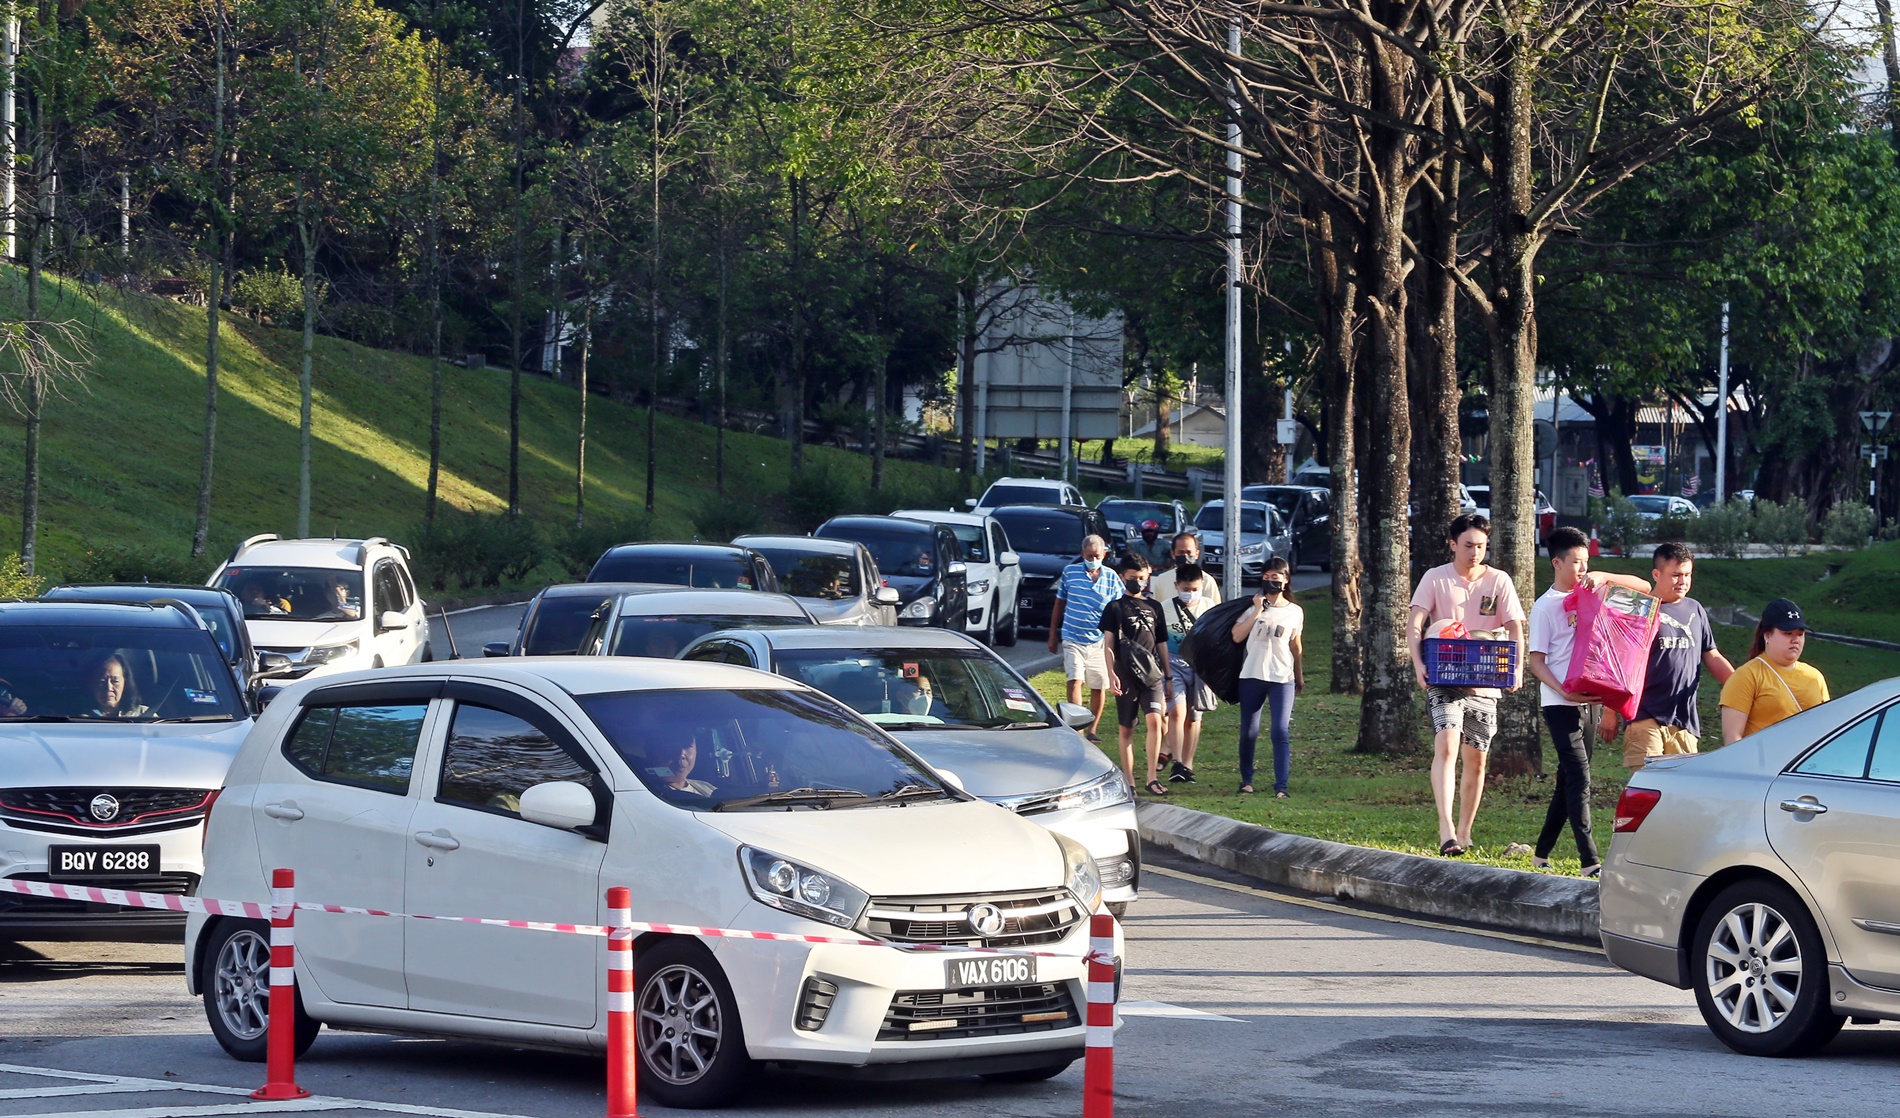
column 437, row 840
column 283, row 811
column 1804, row 807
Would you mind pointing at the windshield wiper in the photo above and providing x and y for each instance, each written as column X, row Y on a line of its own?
column 912, row 791
column 821, row 796
column 12, row 720
column 192, row 718
column 1019, row 726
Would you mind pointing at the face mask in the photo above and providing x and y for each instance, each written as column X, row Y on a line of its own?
column 1190, row 596
column 1091, row 565
column 1273, row 588
column 1180, row 558
column 1133, row 585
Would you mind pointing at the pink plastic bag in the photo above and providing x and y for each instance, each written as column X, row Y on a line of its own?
column 1615, row 626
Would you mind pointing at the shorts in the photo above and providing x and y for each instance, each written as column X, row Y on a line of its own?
column 1185, row 682
column 1648, row 738
column 1135, row 701
column 1475, row 717
column 1085, row 662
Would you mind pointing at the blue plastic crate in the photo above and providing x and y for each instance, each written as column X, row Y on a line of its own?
column 1469, row 663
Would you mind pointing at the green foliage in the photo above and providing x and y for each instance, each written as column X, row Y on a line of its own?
column 578, row 548
column 475, row 551
column 1722, row 529
column 134, row 564
column 1619, row 526
column 276, row 293
column 818, row 493
column 1670, row 528
column 14, row 581
column 1780, row 527
column 721, row 518
column 1848, row 525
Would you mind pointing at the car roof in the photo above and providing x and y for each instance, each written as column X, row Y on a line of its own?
column 680, row 547
column 813, row 544
column 336, row 554
column 862, row 637
column 1136, row 501
column 195, row 595
column 751, row 603
column 1071, row 509
column 76, row 612
column 600, row 591
column 577, row 675
column 1051, row 482
column 932, row 516
column 1244, row 503
column 1270, row 486
column 877, row 523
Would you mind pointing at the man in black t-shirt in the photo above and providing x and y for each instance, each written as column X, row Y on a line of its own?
column 1666, row 717
column 1136, row 651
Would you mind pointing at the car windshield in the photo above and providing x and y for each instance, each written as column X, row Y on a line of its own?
column 1650, row 504
column 1286, row 500
column 919, row 688
column 1253, row 522
column 1021, row 495
column 663, row 635
column 756, row 750
column 1042, row 533
column 1121, row 514
column 711, row 571
column 806, row 574
column 80, row 673
column 558, row 625
column 296, row 593
column 972, row 542
column 897, row 553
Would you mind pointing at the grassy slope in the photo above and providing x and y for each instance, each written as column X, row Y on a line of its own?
column 1852, row 592
column 120, row 455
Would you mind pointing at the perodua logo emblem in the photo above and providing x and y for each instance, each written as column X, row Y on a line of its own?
column 105, row 808
column 985, row 919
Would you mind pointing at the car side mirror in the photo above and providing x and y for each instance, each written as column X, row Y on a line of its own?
column 1074, row 715
column 957, row 569
column 969, row 502
column 273, row 663
column 887, row 596
column 495, row 648
column 390, row 619
column 952, row 779
column 558, row 803
column 264, row 695
column 1009, row 559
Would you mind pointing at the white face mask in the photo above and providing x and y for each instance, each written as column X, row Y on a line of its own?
column 1190, row 596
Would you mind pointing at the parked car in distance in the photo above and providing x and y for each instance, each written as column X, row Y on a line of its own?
column 922, row 562
column 1025, row 491
column 709, row 566
column 1262, row 536
column 1651, row 506
column 524, row 788
column 328, row 605
column 837, row 581
column 1047, row 538
column 1765, row 876
column 962, row 709
column 1541, row 508
column 556, row 618
column 89, row 797
column 1126, row 514
column 1319, row 477
column 658, row 623
column 994, row 573
column 1307, row 512
column 220, row 610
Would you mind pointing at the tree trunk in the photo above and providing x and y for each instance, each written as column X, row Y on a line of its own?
column 35, row 383
column 1890, row 63
column 1338, row 299
column 798, row 327
column 1437, row 447
column 307, row 239
column 587, row 347
column 966, row 381
column 653, row 294
column 201, row 532
column 517, row 282
column 435, row 278
column 725, row 348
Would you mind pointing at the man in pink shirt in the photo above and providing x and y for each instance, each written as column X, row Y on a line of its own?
column 1484, row 601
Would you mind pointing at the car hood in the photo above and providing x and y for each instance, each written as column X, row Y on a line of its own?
column 1004, row 764
column 1219, row 539
column 302, row 634
column 963, row 847
column 851, row 611
column 1036, row 563
column 908, row 587
column 178, row 755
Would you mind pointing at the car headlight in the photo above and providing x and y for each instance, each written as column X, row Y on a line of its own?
column 330, row 653
column 1106, row 790
column 785, row 884
column 919, row 608
column 979, row 588
column 1081, row 876
column 1252, row 548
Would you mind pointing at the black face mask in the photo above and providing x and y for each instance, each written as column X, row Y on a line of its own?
column 1133, row 584
column 1272, row 588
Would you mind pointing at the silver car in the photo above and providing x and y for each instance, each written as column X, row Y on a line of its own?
column 1765, row 876
column 1263, row 535
column 660, row 623
column 836, row 580
column 958, row 706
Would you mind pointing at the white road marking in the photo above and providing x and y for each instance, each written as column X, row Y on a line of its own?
column 1165, row 1009
column 89, row 1083
column 247, row 1107
column 84, row 1089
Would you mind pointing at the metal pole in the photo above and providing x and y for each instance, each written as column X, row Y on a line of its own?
column 1068, row 394
column 1556, row 417
column 982, row 361
column 1721, row 418
column 1230, row 519
column 11, row 133
column 125, row 214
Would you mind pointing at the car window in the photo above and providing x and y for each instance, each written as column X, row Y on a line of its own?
column 296, row 593
column 663, row 635
column 918, row 688
column 807, row 574
column 388, row 590
column 999, row 542
column 1885, row 762
column 715, row 571
column 721, row 652
column 492, row 757
column 1846, row 755
column 1042, row 533
column 1253, row 521
column 908, row 553
column 971, row 541
column 557, row 625
column 114, row 673
column 948, row 550
column 1000, row 494
column 367, row 746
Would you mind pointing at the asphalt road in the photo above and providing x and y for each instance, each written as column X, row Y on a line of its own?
column 1238, row 1003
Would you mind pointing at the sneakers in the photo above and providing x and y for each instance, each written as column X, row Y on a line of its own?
column 1181, row 775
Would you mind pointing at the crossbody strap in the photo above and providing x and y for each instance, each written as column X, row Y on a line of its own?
column 1784, row 686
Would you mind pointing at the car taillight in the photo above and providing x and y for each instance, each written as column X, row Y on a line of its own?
column 1634, row 806
column 205, row 827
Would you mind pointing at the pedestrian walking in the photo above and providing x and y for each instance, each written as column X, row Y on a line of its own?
column 1135, row 652
column 1083, row 591
column 1773, row 683
column 1667, row 720
column 1148, row 545
column 1483, row 600
column 1186, row 552
column 1190, row 698
column 1272, row 673
column 1553, row 637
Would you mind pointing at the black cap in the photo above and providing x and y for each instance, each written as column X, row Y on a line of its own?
column 1782, row 614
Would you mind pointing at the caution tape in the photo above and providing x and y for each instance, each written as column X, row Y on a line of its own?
column 130, row 899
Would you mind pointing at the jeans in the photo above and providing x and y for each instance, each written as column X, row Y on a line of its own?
column 1278, row 699
column 1570, row 800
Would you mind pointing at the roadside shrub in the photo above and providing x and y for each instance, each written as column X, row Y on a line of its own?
column 1670, row 528
column 1722, row 529
column 1619, row 526
column 1848, row 525
column 1780, row 527
column 471, row 551
column 943, row 491
column 15, row 582
column 127, row 564
column 817, row 493
column 278, row 294
column 1890, row 530
column 578, row 548
column 721, row 518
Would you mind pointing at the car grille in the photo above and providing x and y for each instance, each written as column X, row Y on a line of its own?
column 994, row 1011
column 68, row 811
column 1035, row 583
column 1028, row 919
column 174, row 884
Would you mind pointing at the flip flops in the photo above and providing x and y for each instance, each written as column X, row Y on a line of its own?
column 1156, row 788
column 1450, row 849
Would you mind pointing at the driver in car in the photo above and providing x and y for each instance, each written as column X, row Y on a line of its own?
column 337, row 598
column 676, row 753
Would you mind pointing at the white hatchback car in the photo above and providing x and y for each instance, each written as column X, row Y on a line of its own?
column 524, row 788
column 330, row 605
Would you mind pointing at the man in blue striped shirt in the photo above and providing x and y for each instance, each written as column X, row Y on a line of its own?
column 1082, row 593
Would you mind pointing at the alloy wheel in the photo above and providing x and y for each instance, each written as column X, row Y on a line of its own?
column 680, row 1024
column 241, row 984
column 1754, row 968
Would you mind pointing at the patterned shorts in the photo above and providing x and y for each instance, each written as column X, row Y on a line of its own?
column 1475, row 717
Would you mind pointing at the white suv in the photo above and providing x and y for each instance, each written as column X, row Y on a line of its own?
column 1025, row 491
column 329, row 605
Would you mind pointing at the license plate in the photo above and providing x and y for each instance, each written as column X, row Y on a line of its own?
column 68, row 863
column 1025, row 603
column 989, row 970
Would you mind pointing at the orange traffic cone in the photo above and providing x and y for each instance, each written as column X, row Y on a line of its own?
column 1596, row 549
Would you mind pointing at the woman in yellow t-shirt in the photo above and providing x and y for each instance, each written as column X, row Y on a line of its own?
column 1774, row 684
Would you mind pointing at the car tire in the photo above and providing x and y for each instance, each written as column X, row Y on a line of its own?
column 1006, row 636
column 236, row 985
column 1753, row 938
column 688, row 1038
column 1036, row 1074
column 988, row 635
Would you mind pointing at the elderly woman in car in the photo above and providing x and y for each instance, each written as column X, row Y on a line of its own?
column 114, row 693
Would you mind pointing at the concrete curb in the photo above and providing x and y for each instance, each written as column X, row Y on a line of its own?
column 1515, row 900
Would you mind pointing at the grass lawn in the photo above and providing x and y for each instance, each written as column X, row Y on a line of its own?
column 1856, row 593
column 1385, row 800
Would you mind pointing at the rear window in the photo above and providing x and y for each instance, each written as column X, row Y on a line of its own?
column 1021, row 495
column 557, row 626
column 907, row 553
column 1211, row 518
column 804, row 574
column 663, row 636
column 711, row 571
column 1042, row 533
column 1124, row 513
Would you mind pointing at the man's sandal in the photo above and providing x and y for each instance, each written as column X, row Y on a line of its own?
column 1156, row 788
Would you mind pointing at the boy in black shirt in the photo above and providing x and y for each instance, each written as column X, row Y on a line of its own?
column 1135, row 650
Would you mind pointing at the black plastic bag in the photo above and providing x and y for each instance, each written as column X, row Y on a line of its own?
column 1210, row 649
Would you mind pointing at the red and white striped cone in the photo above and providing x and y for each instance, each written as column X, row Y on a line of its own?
column 620, row 1014
column 281, row 1040
column 1098, row 1067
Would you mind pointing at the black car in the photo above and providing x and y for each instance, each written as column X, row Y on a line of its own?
column 1049, row 538
column 708, row 566
column 556, row 618
column 1308, row 512
column 220, row 610
column 922, row 562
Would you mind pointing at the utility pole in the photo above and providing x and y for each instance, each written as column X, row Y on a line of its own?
column 11, row 138
column 1721, row 417
column 1230, row 494
column 1068, row 394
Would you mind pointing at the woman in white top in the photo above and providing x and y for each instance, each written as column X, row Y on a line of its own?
column 1273, row 671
